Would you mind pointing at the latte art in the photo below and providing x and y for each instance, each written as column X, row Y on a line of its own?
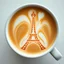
column 32, row 30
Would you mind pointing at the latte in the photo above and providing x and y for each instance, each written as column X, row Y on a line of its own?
column 32, row 30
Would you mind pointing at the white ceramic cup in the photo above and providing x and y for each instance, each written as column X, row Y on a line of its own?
column 54, row 52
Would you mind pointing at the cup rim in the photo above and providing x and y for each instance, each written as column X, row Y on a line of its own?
column 13, row 47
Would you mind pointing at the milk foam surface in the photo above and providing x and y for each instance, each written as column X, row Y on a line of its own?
column 32, row 30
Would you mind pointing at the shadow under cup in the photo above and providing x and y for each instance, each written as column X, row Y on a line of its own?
column 31, row 30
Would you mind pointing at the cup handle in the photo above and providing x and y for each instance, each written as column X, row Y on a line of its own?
column 56, row 54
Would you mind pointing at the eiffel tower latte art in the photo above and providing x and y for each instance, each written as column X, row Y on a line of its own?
column 32, row 30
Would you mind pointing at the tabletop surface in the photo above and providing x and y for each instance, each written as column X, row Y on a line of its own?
column 7, row 55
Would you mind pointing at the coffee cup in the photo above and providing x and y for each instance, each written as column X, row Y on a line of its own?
column 31, row 31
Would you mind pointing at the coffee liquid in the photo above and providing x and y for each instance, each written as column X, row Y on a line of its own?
column 32, row 30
